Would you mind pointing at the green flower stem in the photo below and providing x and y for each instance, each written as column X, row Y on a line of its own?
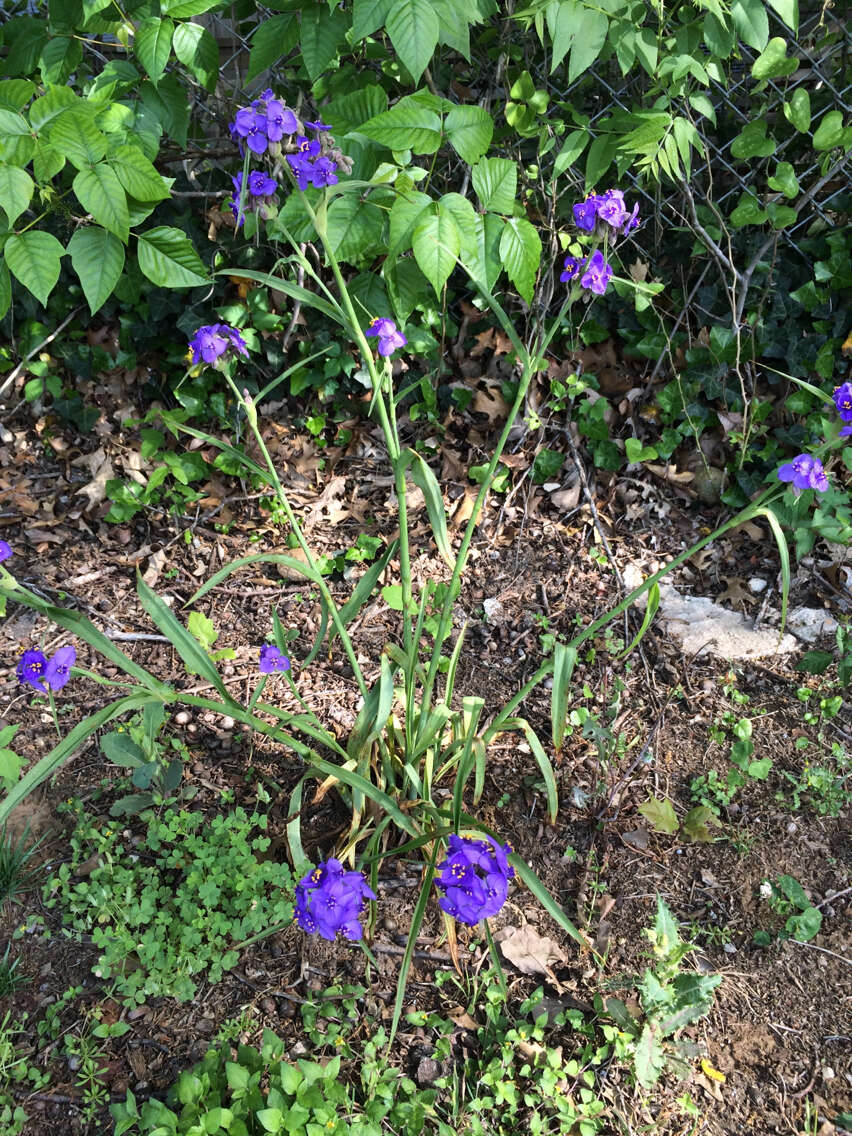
column 52, row 701
column 495, row 960
column 340, row 627
column 258, row 690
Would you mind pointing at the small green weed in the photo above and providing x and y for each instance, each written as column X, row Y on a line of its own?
column 17, row 874
column 787, row 897
column 140, row 746
column 715, row 792
column 10, row 977
column 15, row 1069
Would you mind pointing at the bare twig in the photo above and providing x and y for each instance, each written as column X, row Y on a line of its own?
column 9, row 381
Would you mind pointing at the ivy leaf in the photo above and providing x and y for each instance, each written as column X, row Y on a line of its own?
column 520, row 253
column 413, row 29
column 368, row 16
column 830, row 131
column 101, row 193
column 75, row 136
column 152, row 44
column 33, row 259
column 138, row 175
column 405, row 213
column 747, row 212
column 486, row 263
column 752, row 142
column 407, row 126
column 168, row 259
column 354, row 227
column 198, row 51
column 59, row 58
column 5, row 289
column 16, row 190
column 772, row 63
column 496, row 183
column 436, row 242
column 469, row 129
column 798, row 110
column 589, row 37
column 98, row 258
column 660, row 815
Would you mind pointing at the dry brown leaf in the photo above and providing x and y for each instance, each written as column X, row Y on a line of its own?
column 566, row 499
column 156, row 562
column 461, row 1017
column 101, row 469
column 529, row 951
column 490, row 402
column 736, row 591
column 670, row 473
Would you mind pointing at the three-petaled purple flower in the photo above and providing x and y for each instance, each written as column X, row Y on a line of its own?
column 271, row 660
column 5, row 551
column 474, row 878
column 805, row 472
column 309, row 165
column 35, row 669
column 609, row 207
column 389, row 338
column 261, row 192
column 843, row 401
column 572, row 269
column 262, row 125
column 279, row 120
column 330, row 900
column 214, row 340
column 596, row 273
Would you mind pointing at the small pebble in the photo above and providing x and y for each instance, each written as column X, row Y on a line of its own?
column 828, row 1074
column 228, row 723
column 792, row 827
column 181, row 718
column 268, row 1005
column 756, row 585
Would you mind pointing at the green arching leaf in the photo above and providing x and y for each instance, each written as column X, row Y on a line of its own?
column 152, row 44
column 751, row 21
column 301, row 295
column 788, row 10
column 60, row 56
column 198, row 51
column 413, row 27
column 469, row 130
column 486, row 265
column 406, row 212
column 784, row 555
column 772, row 63
column 589, row 37
column 564, row 661
column 368, row 16
column 322, row 32
column 436, row 243
column 650, row 611
column 496, row 183
column 5, row 292
column 784, row 180
column 74, row 135
column 425, row 480
column 406, row 126
column 16, row 191
column 55, row 101
column 289, row 562
column 34, row 260
column 101, row 193
column 520, row 252
column 97, row 257
column 168, row 259
column 138, row 176
column 273, row 39
column 798, row 110
column 542, row 761
column 355, row 227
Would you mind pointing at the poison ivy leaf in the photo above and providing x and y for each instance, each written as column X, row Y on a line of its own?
column 183, row 9
column 469, row 129
column 75, row 136
column 368, row 16
column 33, row 259
column 273, row 39
column 198, row 51
column 15, row 93
column 59, row 58
column 167, row 258
column 413, row 29
column 589, row 37
column 321, row 34
column 55, row 101
column 436, row 242
column 97, row 257
column 152, row 44
column 751, row 22
column 496, row 183
column 465, row 218
column 798, row 110
column 354, row 227
column 407, row 287
column 406, row 126
column 405, row 212
column 101, row 193
column 486, row 264
column 660, row 815
column 137, row 174
column 16, row 190
column 453, row 26
column 520, row 253
column 5, row 289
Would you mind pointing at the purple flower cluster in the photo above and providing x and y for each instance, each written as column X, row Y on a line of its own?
column 806, row 471
column 593, row 273
column 309, row 164
column 843, row 401
column 261, row 189
column 35, row 669
column 272, row 661
column 211, row 342
column 5, row 551
column 330, row 900
column 389, row 338
column 262, row 125
column 474, row 878
column 610, row 208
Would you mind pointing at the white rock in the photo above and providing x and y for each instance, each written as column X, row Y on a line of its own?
column 493, row 610
column 811, row 623
column 699, row 624
column 756, row 585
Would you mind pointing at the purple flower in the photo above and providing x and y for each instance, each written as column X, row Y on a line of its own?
column 572, row 269
column 632, row 221
column 58, row 670
column 389, row 337
column 261, row 184
column 846, row 432
column 323, row 172
column 805, row 472
column 310, row 166
column 474, row 878
column 31, row 668
column 586, row 212
column 318, row 126
column 279, row 120
column 214, row 340
column 251, row 126
column 5, row 551
column 611, row 208
column 596, row 273
column 271, row 660
column 843, row 402
column 330, row 900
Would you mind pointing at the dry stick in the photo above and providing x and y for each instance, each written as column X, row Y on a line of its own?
column 13, row 374
column 684, row 310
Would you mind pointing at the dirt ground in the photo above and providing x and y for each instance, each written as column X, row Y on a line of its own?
column 781, row 1030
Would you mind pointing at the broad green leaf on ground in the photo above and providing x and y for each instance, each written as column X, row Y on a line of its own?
column 274, row 38
column 33, row 259
column 520, row 252
column 649, row 1059
column 137, row 174
column 152, row 44
column 168, row 259
column 660, row 815
column 97, row 257
column 16, row 190
column 496, row 183
column 413, row 29
column 469, row 129
column 405, row 213
column 406, row 126
column 436, row 242
column 101, row 193
column 322, row 32
column 198, row 51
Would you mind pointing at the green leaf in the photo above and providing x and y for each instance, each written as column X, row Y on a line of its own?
column 198, row 51
column 486, row 265
column 168, row 259
column 649, row 1059
column 469, row 129
column 784, row 180
column 273, row 39
column 703, row 105
column 33, row 259
column 599, row 158
column 412, row 26
column 798, row 110
column 464, row 216
column 696, row 825
column 564, row 661
column 101, row 193
column 355, row 227
column 425, row 480
column 321, row 34
column 138, row 176
column 407, row 287
column 453, row 26
column 436, row 243
column 496, row 183
column 788, row 10
column 829, row 133
column 368, row 16
column 660, row 815
column 719, row 37
column 183, row 9
column 97, row 257
column 15, row 93
column 195, row 658
column 16, row 190
column 772, row 62
column 54, row 102
column 805, row 926
column 752, row 142
column 406, row 212
column 572, row 148
column 75, row 136
column 5, row 303
column 751, row 22
column 589, row 37
column 59, row 58
column 780, row 215
column 815, row 662
column 119, row 748
column 152, row 44
column 406, row 126
column 202, row 628
column 520, row 253
column 747, row 212
column 562, row 18
column 272, row 1119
